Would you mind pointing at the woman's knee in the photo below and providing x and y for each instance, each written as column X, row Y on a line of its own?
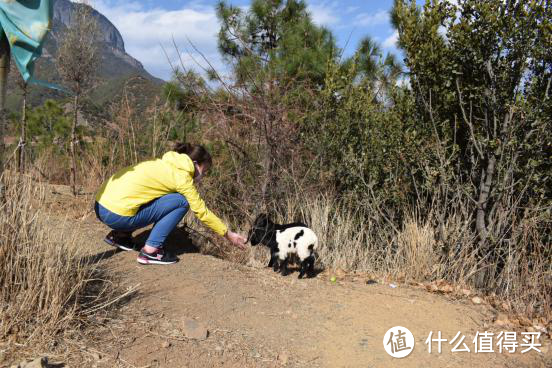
column 179, row 200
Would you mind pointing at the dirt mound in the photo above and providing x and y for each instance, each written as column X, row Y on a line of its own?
column 256, row 317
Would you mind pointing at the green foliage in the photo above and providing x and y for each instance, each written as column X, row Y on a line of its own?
column 480, row 73
column 49, row 126
column 381, row 72
column 363, row 142
column 186, row 91
column 274, row 40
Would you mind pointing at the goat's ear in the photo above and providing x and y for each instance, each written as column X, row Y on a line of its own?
column 261, row 220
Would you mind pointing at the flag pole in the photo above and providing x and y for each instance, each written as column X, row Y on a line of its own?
column 4, row 70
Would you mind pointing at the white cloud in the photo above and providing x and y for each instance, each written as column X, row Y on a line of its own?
column 324, row 14
column 391, row 41
column 370, row 20
column 148, row 32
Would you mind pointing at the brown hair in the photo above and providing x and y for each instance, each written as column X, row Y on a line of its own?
column 197, row 153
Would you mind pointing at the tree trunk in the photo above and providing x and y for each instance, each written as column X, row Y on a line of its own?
column 72, row 146
column 4, row 70
column 483, row 197
column 482, row 212
column 23, row 135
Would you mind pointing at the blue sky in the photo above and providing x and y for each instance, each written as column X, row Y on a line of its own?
column 149, row 26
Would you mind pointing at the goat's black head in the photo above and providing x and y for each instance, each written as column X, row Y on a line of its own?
column 261, row 230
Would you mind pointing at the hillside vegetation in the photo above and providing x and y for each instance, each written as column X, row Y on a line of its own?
column 434, row 169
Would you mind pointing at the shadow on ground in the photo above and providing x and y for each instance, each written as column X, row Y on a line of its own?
column 178, row 242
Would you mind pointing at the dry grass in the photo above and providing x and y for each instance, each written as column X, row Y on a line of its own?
column 356, row 240
column 48, row 289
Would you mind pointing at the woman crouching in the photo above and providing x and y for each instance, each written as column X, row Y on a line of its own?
column 158, row 192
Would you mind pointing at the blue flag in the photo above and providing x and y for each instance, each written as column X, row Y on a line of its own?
column 26, row 24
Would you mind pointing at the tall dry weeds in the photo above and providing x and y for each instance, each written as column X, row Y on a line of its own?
column 47, row 286
column 358, row 239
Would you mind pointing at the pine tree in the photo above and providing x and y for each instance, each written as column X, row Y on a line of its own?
column 274, row 39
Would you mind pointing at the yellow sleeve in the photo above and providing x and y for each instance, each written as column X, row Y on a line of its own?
column 197, row 205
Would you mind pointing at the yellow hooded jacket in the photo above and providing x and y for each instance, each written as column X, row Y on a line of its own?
column 134, row 186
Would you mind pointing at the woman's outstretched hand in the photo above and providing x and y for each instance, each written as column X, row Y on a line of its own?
column 236, row 239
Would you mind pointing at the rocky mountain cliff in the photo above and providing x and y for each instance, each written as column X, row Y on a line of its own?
column 110, row 36
column 63, row 10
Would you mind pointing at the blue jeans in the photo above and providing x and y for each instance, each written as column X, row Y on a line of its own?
column 164, row 212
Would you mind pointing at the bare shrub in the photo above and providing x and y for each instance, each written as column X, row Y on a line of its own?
column 78, row 60
column 47, row 286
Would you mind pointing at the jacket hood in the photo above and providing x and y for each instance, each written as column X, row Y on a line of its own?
column 179, row 161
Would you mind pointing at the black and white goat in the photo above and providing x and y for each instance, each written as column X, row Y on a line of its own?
column 285, row 240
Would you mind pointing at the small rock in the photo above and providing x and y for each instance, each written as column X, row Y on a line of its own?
column 502, row 319
column 466, row 292
column 40, row 362
column 218, row 348
column 194, row 330
column 476, row 300
column 283, row 358
column 96, row 356
column 165, row 344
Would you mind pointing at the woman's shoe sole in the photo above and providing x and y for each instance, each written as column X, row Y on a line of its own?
column 111, row 243
column 145, row 261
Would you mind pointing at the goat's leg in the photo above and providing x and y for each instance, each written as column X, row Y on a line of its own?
column 272, row 261
column 275, row 260
column 303, row 268
column 310, row 265
column 284, row 267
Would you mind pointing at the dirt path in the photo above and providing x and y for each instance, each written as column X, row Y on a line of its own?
column 258, row 318
column 255, row 317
